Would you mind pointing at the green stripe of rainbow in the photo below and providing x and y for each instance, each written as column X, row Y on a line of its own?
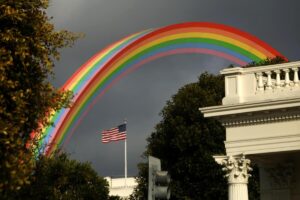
column 105, row 68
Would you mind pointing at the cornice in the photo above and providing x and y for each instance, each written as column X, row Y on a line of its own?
column 261, row 117
column 243, row 108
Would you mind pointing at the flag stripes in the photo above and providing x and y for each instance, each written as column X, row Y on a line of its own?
column 114, row 134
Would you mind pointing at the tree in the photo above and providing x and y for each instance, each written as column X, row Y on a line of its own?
column 59, row 177
column 28, row 46
column 267, row 61
column 185, row 141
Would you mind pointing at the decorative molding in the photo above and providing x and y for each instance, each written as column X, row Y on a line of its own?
column 253, row 107
column 261, row 118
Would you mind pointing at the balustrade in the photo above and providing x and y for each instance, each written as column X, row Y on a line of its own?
column 261, row 82
column 277, row 79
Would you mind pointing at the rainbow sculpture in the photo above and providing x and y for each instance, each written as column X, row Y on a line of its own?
column 108, row 66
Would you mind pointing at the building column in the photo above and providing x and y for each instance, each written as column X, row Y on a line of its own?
column 236, row 168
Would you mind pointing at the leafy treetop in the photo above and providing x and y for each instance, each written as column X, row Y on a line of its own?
column 60, row 177
column 267, row 61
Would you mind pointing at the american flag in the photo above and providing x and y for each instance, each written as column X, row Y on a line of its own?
column 114, row 134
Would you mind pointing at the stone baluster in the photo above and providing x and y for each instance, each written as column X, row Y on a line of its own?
column 287, row 77
column 236, row 169
column 278, row 81
column 269, row 80
column 260, row 85
column 296, row 78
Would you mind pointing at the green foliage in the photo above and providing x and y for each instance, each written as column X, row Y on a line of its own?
column 185, row 141
column 59, row 177
column 268, row 61
column 28, row 46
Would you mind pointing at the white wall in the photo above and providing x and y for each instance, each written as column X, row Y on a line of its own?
column 118, row 187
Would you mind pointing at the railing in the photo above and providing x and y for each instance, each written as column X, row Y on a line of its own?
column 261, row 83
column 282, row 80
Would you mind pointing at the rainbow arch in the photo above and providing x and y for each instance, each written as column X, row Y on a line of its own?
column 108, row 66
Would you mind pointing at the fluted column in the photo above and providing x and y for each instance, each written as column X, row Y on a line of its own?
column 236, row 168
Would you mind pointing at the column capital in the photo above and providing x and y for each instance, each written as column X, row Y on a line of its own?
column 236, row 168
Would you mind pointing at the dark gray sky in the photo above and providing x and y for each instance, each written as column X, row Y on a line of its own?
column 140, row 96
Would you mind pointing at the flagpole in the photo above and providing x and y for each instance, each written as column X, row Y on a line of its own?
column 125, row 163
column 125, row 156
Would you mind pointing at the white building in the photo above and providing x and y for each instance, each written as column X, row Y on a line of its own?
column 121, row 187
column 261, row 114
